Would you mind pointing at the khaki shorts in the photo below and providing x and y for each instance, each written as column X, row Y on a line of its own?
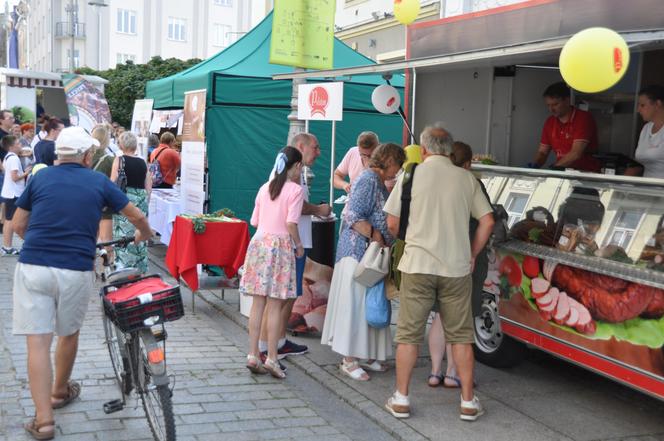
column 48, row 300
column 419, row 293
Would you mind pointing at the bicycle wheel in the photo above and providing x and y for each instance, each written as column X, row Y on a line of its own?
column 115, row 341
column 153, row 388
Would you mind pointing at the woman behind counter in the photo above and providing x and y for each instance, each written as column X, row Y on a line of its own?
column 346, row 329
column 650, row 150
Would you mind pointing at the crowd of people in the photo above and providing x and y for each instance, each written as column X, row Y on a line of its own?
column 436, row 267
column 64, row 189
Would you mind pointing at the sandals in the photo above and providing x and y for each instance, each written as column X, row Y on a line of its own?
column 354, row 371
column 438, row 377
column 73, row 391
column 374, row 366
column 272, row 366
column 33, row 429
column 255, row 365
column 456, row 382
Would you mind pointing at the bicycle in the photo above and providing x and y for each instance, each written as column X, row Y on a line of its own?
column 135, row 308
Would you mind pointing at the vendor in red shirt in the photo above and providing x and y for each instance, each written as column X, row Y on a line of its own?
column 570, row 132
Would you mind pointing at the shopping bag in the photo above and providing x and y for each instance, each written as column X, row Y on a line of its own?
column 377, row 308
column 374, row 265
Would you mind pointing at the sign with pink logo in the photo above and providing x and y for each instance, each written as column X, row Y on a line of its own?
column 320, row 101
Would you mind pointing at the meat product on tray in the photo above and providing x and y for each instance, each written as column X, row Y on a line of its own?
column 608, row 298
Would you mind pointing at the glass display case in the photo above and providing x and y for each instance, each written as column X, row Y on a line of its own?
column 582, row 266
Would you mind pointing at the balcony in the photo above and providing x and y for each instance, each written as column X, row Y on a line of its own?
column 63, row 29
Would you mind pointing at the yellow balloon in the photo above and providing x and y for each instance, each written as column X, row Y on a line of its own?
column 594, row 60
column 38, row 167
column 406, row 10
column 413, row 154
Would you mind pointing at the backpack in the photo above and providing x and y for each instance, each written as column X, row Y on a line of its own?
column 397, row 249
column 121, row 180
column 155, row 170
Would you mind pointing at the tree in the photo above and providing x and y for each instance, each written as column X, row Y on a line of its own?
column 126, row 82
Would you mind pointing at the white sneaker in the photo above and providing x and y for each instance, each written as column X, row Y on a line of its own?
column 398, row 406
column 471, row 410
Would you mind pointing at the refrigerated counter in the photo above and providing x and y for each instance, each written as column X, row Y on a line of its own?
column 580, row 275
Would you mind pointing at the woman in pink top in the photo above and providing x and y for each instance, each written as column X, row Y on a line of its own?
column 269, row 268
column 355, row 161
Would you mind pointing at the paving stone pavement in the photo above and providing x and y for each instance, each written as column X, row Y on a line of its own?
column 215, row 397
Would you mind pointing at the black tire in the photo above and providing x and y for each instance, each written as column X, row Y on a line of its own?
column 156, row 399
column 492, row 347
column 115, row 342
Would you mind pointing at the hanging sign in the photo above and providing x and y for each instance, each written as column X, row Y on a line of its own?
column 320, row 101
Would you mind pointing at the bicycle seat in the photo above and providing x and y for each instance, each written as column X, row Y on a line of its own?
column 123, row 274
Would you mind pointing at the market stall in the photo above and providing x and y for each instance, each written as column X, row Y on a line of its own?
column 581, row 274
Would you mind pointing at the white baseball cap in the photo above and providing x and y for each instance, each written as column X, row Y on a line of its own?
column 74, row 140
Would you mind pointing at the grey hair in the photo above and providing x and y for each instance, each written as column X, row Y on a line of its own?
column 127, row 141
column 77, row 157
column 305, row 138
column 436, row 139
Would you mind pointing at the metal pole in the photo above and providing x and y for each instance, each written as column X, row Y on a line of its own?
column 72, row 18
column 296, row 126
column 334, row 133
column 412, row 114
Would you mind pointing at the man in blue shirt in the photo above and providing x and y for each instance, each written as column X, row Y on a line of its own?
column 58, row 216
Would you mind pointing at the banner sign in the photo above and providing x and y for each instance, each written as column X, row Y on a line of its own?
column 140, row 124
column 320, row 101
column 303, row 33
column 86, row 104
column 166, row 119
column 192, row 172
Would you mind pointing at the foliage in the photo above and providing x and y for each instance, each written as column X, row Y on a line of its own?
column 126, row 82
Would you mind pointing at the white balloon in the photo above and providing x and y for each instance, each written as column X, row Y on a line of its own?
column 386, row 99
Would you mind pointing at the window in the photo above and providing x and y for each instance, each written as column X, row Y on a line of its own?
column 515, row 206
column 221, row 35
column 77, row 61
column 625, row 225
column 126, row 21
column 223, row 2
column 123, row 58
column 177, row 29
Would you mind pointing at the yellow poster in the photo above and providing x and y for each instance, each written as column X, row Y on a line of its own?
column 303, row 33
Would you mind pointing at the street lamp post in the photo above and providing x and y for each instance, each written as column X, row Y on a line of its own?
column 98, row 5
column 71, row 10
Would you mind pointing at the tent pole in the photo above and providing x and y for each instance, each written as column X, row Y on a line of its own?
column 334, row 132
column 306, row 126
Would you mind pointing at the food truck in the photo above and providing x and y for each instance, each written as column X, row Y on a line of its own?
column 580, row 273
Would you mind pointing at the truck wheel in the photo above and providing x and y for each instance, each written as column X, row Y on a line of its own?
column 492, row 347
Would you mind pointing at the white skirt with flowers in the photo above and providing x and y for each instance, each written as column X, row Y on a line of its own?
column 269, row 267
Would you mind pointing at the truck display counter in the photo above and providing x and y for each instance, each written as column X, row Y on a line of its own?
column 580, row 275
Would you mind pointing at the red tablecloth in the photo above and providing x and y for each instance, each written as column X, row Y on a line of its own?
column 223, row 244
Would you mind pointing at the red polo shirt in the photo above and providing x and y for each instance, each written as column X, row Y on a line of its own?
column 560, row 137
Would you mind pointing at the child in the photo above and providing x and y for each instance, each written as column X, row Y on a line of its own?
column 12, row 187
column 269, row 268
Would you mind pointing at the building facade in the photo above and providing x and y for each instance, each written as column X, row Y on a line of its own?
column 369, row 26
column 103, row 33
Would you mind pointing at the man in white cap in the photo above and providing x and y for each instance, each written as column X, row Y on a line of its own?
column 58, row 215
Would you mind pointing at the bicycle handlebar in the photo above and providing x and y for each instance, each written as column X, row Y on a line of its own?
column 123, row 241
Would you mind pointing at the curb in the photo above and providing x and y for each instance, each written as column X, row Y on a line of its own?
column 355, row 399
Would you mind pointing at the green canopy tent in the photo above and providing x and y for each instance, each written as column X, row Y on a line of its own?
column 246, row 116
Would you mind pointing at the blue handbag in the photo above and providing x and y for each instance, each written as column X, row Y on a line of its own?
column 378, row 309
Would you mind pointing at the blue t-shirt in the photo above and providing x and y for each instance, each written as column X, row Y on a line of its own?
column 65, row 204
column 45, row 152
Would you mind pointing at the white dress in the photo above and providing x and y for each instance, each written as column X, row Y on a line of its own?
column 346, row 329
column 650, row 151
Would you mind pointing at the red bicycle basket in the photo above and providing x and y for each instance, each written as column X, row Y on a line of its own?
column 129, row 304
